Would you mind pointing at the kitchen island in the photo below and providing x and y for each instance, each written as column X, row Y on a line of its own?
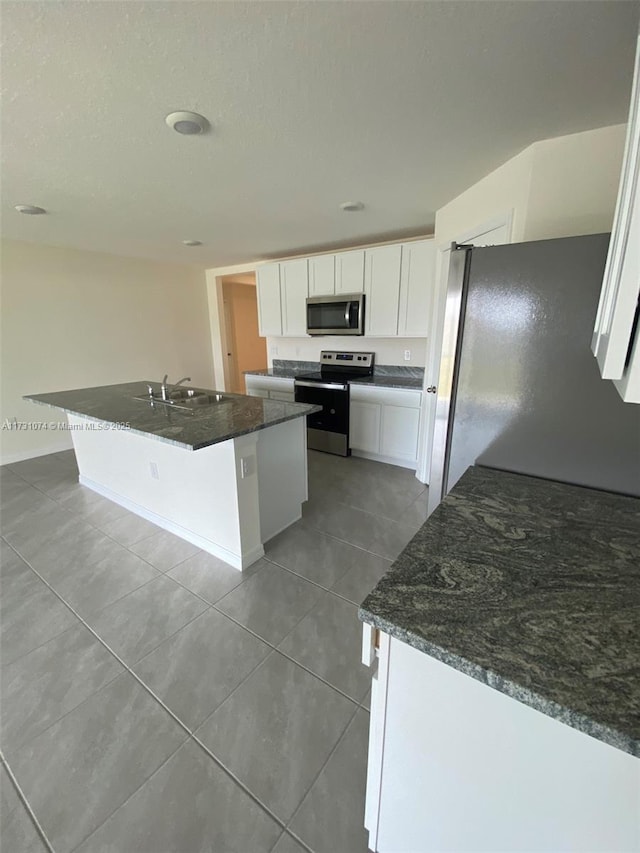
column 506, row 700
column 223, row 471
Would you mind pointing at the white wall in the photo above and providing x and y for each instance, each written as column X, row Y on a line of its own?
column 387, row 350
column 556, row 188
column 574, row 183
column 506, row 188
column 73, row 319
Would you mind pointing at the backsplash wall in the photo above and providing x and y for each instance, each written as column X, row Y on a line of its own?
column 387, row 350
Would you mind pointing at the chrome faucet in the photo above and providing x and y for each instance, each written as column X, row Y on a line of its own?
column 164, row 387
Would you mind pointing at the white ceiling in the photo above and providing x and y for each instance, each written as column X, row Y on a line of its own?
column 399, row 104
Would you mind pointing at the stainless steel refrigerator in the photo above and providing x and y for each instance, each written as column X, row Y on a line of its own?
column 519, row 388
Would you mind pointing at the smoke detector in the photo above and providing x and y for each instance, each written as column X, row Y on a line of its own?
column 187, row 123
column 192, row 242
column 30, row 209
column 351, row 206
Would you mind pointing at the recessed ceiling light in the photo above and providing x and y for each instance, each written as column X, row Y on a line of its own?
column 192, row 243
column 30, row 209
column 351, row 206
column 189, row 124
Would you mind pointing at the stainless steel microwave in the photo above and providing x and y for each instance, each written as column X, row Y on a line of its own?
column 342, row 314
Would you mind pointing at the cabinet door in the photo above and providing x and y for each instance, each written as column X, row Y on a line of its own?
column 400, row 432
column 294, row 286
column 382, row 290
column 364, row 426
column 350, row 272
column 416, row 288
column 268, row 285
column 322, row 275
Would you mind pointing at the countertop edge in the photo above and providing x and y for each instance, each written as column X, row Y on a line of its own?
column 155, row 437
column 548, row 707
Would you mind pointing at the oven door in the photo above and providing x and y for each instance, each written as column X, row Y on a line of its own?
column 327, row 430
column 336, row 315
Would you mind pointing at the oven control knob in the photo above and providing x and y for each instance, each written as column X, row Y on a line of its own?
column 333, row 411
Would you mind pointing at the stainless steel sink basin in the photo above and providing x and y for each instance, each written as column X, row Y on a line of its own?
column 187, row 399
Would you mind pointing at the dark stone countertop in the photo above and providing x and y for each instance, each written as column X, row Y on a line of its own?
column 384, row 376
column 201, row 427
column 532, row 587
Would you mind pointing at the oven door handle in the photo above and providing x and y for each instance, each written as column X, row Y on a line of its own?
column 329, row 385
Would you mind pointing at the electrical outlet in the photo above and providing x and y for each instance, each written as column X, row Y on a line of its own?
column 274, row 350
column 153, row 467
column 407, row 355
column 247, row 466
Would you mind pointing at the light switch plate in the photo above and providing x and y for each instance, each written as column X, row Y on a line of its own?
column 407, row 355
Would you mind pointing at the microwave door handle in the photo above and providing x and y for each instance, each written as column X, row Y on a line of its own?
column 347, row 313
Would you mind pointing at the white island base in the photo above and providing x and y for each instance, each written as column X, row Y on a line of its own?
column 227, row 499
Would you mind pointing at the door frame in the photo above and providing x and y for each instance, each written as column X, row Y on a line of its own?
column 434, row 343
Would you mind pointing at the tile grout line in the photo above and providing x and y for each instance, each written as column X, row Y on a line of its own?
column 212, row 605
column 315, row 583
column 157, row 770
column 317, row 776
column 274, row 648
column 190, row 734
column 26, row 804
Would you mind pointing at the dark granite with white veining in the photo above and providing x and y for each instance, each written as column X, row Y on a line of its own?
column 532, row 587
column 201, row 427
column 384, row 375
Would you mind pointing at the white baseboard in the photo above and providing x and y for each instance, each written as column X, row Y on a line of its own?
column 389, row 460
column 238, row 561
column 23, row 455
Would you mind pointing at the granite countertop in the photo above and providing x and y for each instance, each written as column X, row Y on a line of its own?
column 201, row 427
column 384, row 376
column 532, row 587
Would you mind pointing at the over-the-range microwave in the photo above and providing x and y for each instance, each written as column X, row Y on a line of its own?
column 342, row 314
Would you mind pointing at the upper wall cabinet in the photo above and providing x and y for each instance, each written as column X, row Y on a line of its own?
column 397, row 279
column 382, row 290
column 616, row 338
column 350, row 272
column 269, row 312
column 322, row 275
column 294, row 289
column 417, row 280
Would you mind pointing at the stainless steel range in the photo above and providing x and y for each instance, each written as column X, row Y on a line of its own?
column 328, row 430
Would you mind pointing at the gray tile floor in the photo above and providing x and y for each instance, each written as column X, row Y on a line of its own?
column 155, row 700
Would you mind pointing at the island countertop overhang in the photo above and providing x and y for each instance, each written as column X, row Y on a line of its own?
column 115, row 406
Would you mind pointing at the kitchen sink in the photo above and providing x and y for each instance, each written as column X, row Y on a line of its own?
column 187, row 399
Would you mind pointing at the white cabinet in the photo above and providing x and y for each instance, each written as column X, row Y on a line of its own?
column 350, row 271
column 382, row 290
column 399, row 436
column 468, row 768
column 384, row 424
column 398, row 281
column 616, row 338
column 272, row 387
column 417, row 288
column 269, row 312
column 294, row 289
column 364, row 425
column 322, row 275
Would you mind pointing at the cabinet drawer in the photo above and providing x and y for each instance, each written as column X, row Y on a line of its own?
column 387, row 396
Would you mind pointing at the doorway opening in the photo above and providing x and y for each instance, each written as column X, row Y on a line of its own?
column 244, row 349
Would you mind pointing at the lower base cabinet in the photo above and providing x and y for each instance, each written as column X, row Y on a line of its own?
column 384, row 424
column 458, row 766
